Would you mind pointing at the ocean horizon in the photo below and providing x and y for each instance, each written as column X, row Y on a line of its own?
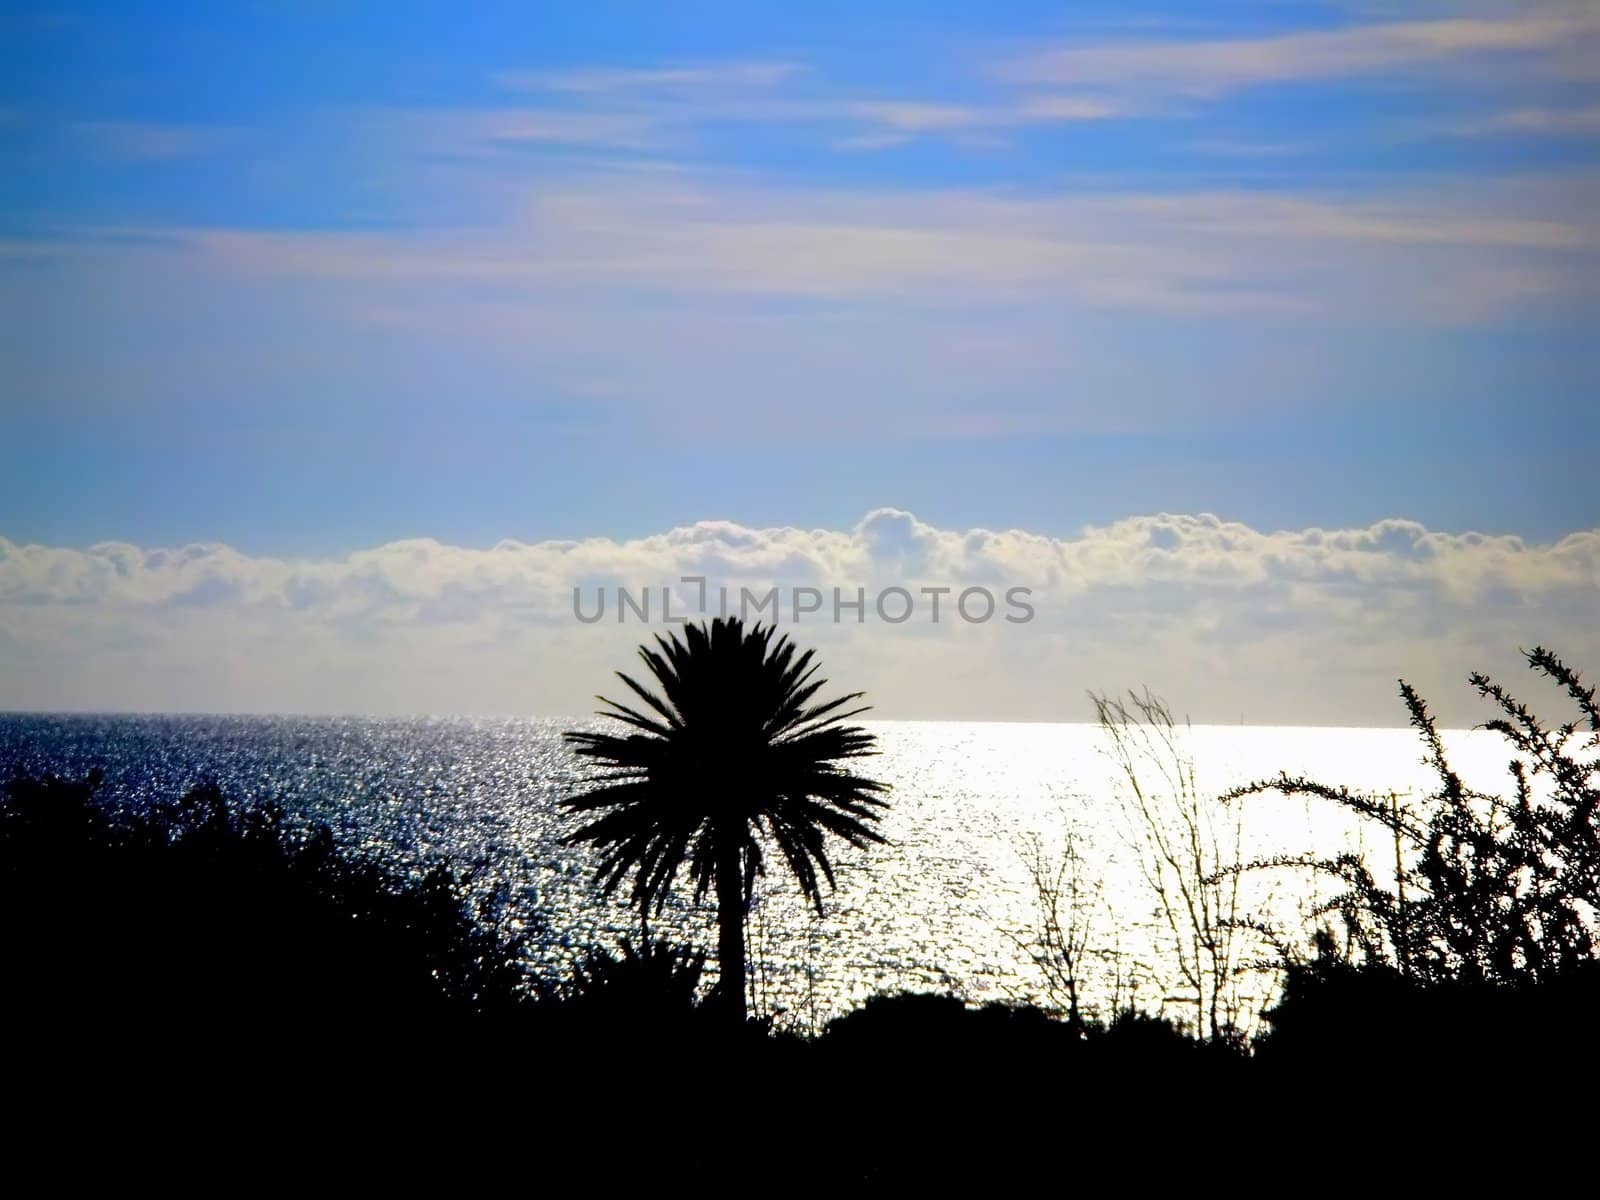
column 576, row 720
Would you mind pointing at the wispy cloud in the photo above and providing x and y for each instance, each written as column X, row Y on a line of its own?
column 920, row 117
column 667, row 298
column 1554, row 122
column 630, row 107
column 882, row 140
column 714, row 233
column 1201, row 67
column 1241, row 148
column 145, row 142
column 894, row 122
column 463, row 130
column 659, row 104
column 699, row 77
column 1067, row 108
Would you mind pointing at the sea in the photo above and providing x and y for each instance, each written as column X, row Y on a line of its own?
column 980, row 815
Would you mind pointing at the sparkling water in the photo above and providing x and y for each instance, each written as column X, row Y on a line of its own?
column 947, row 904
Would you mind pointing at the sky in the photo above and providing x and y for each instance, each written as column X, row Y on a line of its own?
column 342, row 341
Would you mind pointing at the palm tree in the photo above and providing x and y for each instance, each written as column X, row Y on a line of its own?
column 731, row 753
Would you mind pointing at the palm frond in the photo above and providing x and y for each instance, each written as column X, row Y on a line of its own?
column 728, row 749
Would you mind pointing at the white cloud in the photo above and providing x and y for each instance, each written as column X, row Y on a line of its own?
column 672, row 105
column 875, row 312
column 1287, row 626
column 1578, row 121
column 148, row 142
column 872, row 141
column 1443, row 254
column 455, row 131
column 1066, row 108
column 1211, row 67
column 920, row 117
column 661, row 107
column 695, row 77
column 917, row 117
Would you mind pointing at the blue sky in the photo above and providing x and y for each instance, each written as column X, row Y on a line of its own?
column 308, row 277
column 342, row 342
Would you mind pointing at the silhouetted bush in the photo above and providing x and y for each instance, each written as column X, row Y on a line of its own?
column 1002, row 1045
column 1340, row 1019
column 197, row 923
column 1484, row 947
column 637, row 997
column 1487, row 888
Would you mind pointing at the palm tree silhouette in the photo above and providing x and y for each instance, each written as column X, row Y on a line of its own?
column 729, row 755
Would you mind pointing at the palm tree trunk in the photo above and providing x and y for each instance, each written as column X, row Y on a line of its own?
column 730, row 933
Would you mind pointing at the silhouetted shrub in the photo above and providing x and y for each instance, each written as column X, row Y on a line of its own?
column 1481, row 949
column 1005, row 1044
column 635, row 995
column 201, row 924
column 1487, row 888
column 658, row 977
column 1343, row 1019
column 1207, row 945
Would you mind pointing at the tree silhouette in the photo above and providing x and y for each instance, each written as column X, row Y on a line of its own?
column 732, row 752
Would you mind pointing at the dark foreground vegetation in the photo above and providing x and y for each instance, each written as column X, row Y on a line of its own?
column 206, row 928
column 219, row 952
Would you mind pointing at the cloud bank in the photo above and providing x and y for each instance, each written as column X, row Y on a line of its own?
column 1229, row 622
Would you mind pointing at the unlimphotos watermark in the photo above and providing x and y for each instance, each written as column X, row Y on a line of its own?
column 891, row 605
